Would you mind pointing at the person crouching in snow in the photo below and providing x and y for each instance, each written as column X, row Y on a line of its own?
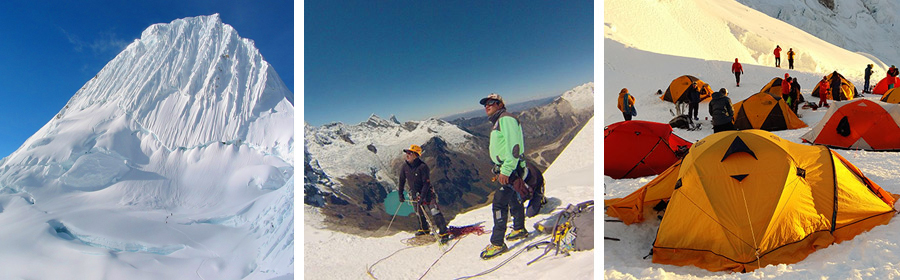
column 824, row 90
column 626, row 104
column 737, row 69
column 416, row 172
column 721, row 111
column 507, row 152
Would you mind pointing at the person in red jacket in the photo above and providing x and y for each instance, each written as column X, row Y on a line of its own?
column 785, row 87
column 778, row 56
column 737, row 70
column 824, row 89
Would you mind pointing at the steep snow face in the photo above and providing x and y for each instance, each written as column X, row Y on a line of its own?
column 190, row 83
column 369, row 147
column 866, row 26
column 175, row 161
column 723, row 31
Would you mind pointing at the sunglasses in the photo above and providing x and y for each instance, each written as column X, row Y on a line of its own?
column 491, row 102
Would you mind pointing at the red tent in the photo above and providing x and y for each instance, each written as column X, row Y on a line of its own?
column 640, row 148
column 884, row 85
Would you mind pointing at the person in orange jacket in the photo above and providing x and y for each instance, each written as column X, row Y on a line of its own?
column 785, row 87
column 626, row 104
column 790, row 54
column 824, row 90
column 737, row 69
column 777, row 56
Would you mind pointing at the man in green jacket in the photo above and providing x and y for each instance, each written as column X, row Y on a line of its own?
column 507, row 150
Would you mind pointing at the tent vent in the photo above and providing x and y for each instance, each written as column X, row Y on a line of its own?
column 843, row 127
column 739, row 177
column 738, row 146
column 678, row 184
column 801, row 172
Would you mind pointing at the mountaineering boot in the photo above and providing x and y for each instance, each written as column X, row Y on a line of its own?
column 516, row 235
column 492, row 251
column 446, row 237
column 422, row 232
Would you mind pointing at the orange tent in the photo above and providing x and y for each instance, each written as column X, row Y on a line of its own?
column 741, row 200
column 858, row 124
column 675, row 91
column 885, row 84
column 891, row 96
column 763, row 111
column 773, row 88
column 640, row 148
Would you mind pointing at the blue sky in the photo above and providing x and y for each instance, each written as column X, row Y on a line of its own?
column 419, row 59
column 49, row 49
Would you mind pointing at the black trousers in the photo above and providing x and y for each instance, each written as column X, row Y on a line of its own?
column 506, row 201
column 436, row 215
column 627, row 116
column 791, row 63
column 737, row 77
column 693, row 108
column 777, row 62
column 723, row 127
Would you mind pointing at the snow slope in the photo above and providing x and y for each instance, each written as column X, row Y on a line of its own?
column 334, row 255
column 174, row 162
column 871, row 255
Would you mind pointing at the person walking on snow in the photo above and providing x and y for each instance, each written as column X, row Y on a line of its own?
column 785, row 87
column 777, row 56
column 868, row 75
column 507, row 151
column 721, row 111
column 693, row 93
column 823, row 91
column 790, row 54
column 737, row 69
column 416, row 172
column 626, row 104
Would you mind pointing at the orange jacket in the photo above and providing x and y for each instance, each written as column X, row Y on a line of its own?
column 622, row 100
column 824, row 88
column 785, row 87
column 778, row 52
column 736, row 68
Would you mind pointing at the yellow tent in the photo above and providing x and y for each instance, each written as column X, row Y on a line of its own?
column 773, row 88
column 763, row 111
column 676, row 89
column 891, row 96
column 741, row 200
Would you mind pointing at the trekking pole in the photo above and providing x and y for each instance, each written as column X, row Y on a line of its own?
column 394, row 216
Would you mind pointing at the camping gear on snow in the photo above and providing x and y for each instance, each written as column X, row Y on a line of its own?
column 675, row 91
column 847, row 92
column 573, row 229
column 888, row 82
column 858, row 124
column 742, row 200
column 891, row 96
column 393, row 205
column 640, row 148
column 762, row 111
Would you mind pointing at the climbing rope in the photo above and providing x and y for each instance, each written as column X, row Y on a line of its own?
column 439, row 258
column 369, row 269
column 506, row 260
column 415, row 241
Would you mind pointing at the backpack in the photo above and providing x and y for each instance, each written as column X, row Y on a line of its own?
column 530, row 188
column 573, row 229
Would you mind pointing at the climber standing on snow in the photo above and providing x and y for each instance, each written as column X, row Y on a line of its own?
column 790, row 54
column 626, row 104
column 721, row 111
column 416, row 172
column 737, row 69
column 785, row 87
column 868, row 75
column 693, row 92
column 507, row 151
column 777, row 56
column 823, row 91
column 835, row 85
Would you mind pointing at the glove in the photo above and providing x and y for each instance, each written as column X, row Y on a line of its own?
column 401, row 196
column 422, row 199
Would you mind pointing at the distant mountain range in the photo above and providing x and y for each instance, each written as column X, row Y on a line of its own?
column 513, row 108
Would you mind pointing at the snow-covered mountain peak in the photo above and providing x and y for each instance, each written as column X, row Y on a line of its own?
column 580, row 97
column 193, row 82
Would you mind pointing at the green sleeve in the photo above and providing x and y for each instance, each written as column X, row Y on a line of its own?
column 515, row 144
